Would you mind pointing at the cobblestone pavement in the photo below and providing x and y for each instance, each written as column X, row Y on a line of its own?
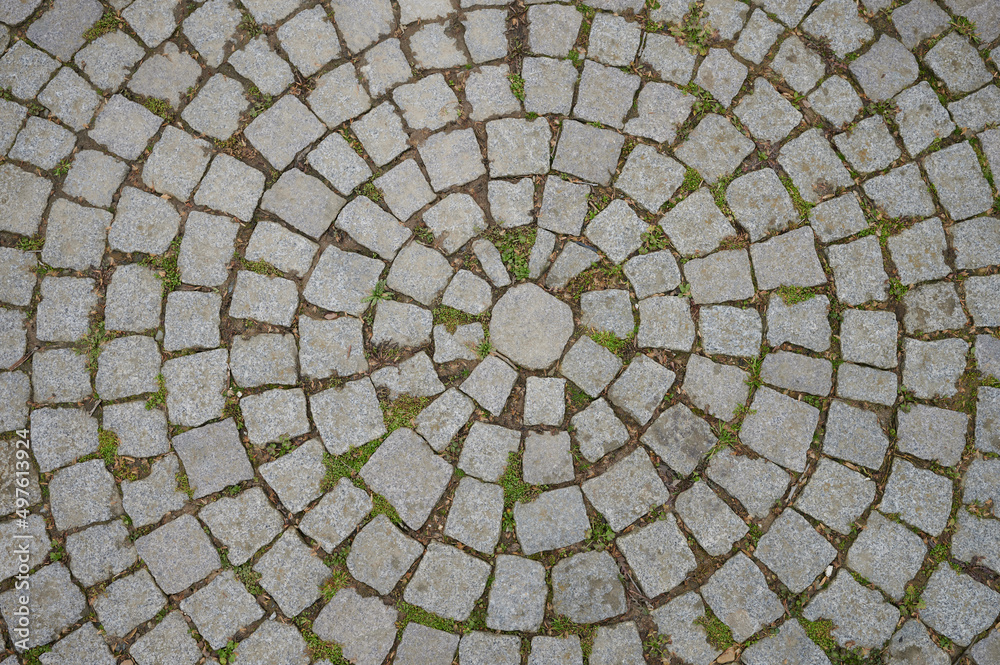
column 440, row 331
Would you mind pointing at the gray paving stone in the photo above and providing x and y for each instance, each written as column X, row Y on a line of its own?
column 215, row 110
column 540, row 255
column 564, row 206
column 868, row 146
column 617, row 644
column 958, row 181
column 885, row 69
column 918, row 20
column 381, row 133
column 955, row 61
column 128, row 602
column 439, row 422
column 124, row 127
column 738, row 596
column 800, row 66
column 490, row 384
column 455, row 220
column 263, row 298
column 714, row 148
column 167, row 75
column 544, row 401
column 292, row 573
column 977, row 110
column 958, row 606
column 60, row 375
column 585, row 587
column 178, row 554
column 401, row 324
column 133, row 300
column 590, row 366
column 75, row 236
column 42, row 143
column 837, row 218
column 790, row 644
column 722, row 75
column 868, row 623
column 263, row 359
column 169, row 641
column 339, row 164
column 605, row 94
column 275, row 414
column 756, row 483
column 921, row 117
column 976, row 539
column 836, row 495
column 26, row 196
column 649, row 274
column 380, row 555
column 24, row 70
column 70, row 98
column 720, row 277
column 869, row 337
column 613, row 40
column 127, row 366
column 337, row 515
column 64, row 311
column 714, row 525
column 258, row 62
column 617, row 231
column 858, row 272
column 415, row 376
column 409, row 475
column 338, row 96
column 933, row 433
column 661, row 110
column 789, row 12
column 814, row 167
column 730, row 331
column 548, row 85
column 15, row 387
column 984, row 650
column 213, row 457
column 987, row 354
column 309, row 40
column 659, row 556
column 920, row 497
column 918, row 252
column 518, row 147
column 795, row 551
column 609, row 310
column 211, row 29
column 839, row 22
column 670, row 60
column 780, row 428
column 342, row 281
column 460, row 345
column 59, row 604
column 588, row 152
column 981, row 483
column 855, row 435
column 285, row 250
column 419, row 272
column 143, row 223
column 936, row 306
column 555, row 519
column 987, row 412
column 555, row 650
column 13, row 336
column 572, row 260
column 428, row 103
column 680, row 438
column 552, row 29
column 447, row 582
column 355, row 403
column 327, row 348
column 59, row 436
column 272, row 637
column 405, row 189
column 385, row 67
column 547, row 459
column 768, row 115
column 297, row 476
column 757, row 37
column 760, row 203
column 364, row 627
column 530, row 326
column 900, row 192
column 974, row 242
column 422, row 644
column 100, row 552
column 627, row 490
column 94, row 177
column 696, row 225
column 485, row 451
column 303, row 201
column 243, row 524
column 887, row 553
column 641, row 387
column 715, row 388
column 912, row 640
column 108, row 60
column 152, row 20
column 221, row 609
column 15, row 13
column 433, row 49
column 146, row 501
column 475, row 514
column 932, row 369
column 452, row 159
column 84, row 644
column 687, row 640
column 269, row 132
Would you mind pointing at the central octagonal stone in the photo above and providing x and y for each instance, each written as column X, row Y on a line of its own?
column 530, row 326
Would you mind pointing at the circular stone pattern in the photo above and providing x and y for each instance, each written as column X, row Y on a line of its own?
column 530, row 326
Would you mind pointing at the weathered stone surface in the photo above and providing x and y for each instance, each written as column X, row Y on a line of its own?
column 490, row 384
column 740, row 598
column 688, row 640
column 920, row 497
column 353, row 403
column 555, row 519
column 780, row 428
column 715, row 388
column 475, row 514
column 296, row 477
column 342, row 281
column 178, row 554
column 213, row 457
column 665, row 322
column 958, row 606
column 195, row 386
column 127, row 602
column 588, row 152
column 791, row 644
column 447, row 582
column 795, row 551
column 221, row 608
column 598, row 431
column 680, row 438
column 627, row 490
column 932, row 369
column 714, row 525
column 292, row 573
column 530, row 326
column 714, row 148
column 659, row 556
column 585, row 587
column 380, row 555
column 720, row 277
column 756, row 483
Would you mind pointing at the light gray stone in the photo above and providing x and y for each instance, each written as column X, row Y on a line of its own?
column 178, row 554
column 556, row 519
column 59, row 375
column 415, row 376
column 475, row 514
column 722, row 75
column 757, row 37
column 588, row 152
column 920, row 497
column 124, row 127
column 958, row 606
column 338, row 95
column 419, row 272
column 530, row 326
column 791, row 644
column 221, row 608
column 814, row 167
column 354, row 403
column 900, row 193
column 270, row 133
column 58, row 602
column 143, row 223
column 552, row 29
column 715, row 388
column 64, row 311
column 868, row 146
column 913, row 640
column 585, row 588
column 195, row 386
column 297, row 477
column 738, row 595
column 75, row 236
column 432, row 48
column 780, row 428
column 627, row 490
column 659, row 556
column 70, row 98
column 756, row 483
column 932, row 369
column 795, row 551
column 342, row 281
column 486, row 450
column 858, row 271
column 687, row 639
column 720, row 277
column 885, row 69
column 455, row 220
column 400, row 324
column 714, row 525
column 336, row 160
column 381, row 133
column 211, row 29
column 447, row 582
column 230, row 186
column 292, row 573
column 958, row 181
column 463, row 344
column 714, row 148
column 94, row 177
column 216, row 109
column 548, row 85
column 661, row 110
column 794, row 371
column 490, row 384
column 547, row 459
column 24, row 199
column 146, row 501
column 921, row 117
column 364, row 627
column 258, row 62
column 213, row 457
column 380, row 555
column 337, row 515
column 128, row 602
column 932, row 433
column 761, row 204
column 590, row 366
column 272, row 637
column 800, row 66
column 680, row 438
